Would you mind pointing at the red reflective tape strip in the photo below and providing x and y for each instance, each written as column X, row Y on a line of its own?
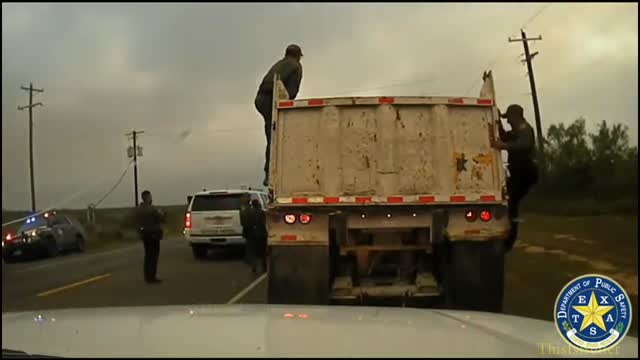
column 487, row 198
column 385, row 100
column 427, row 199
column 457, row 198
column 363, row 199
column 331, row 200
column 299, row 200
column 288, row 238
column 285, row 103
column 456, row 101
column 395, row 199
column 315, row 102
column 472, row 231
column 484, row 101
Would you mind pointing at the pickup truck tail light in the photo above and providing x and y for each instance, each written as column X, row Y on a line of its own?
column 187, row 221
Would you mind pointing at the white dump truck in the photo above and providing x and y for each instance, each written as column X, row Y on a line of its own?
column 386, row 197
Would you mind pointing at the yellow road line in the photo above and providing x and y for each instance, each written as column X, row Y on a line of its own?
column 66, row 287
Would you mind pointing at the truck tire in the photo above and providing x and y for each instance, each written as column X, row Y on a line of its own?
column 298, row 275
column 474, row 276
column 199, row 251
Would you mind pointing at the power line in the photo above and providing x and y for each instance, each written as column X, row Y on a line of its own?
column 418, row 81
column 500, row 55
column 543, row 8
column 114, row 186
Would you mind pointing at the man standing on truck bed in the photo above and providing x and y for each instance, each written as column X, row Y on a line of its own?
column 523, row 170
column 289, row 70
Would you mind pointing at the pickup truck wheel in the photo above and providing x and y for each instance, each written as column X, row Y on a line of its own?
column 474, row 276
column 52, row 246
column 298, row 275
column 199, row 251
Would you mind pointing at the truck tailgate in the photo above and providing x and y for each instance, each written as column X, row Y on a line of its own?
column 377, row 147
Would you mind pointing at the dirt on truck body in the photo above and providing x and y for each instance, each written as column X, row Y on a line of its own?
column 378, row 197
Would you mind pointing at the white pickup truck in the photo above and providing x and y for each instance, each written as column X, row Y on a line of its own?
column 378, row 197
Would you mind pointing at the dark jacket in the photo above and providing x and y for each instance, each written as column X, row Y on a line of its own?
column 149, row 220
column 520, row 144
column 290, row 71
column 256, row 221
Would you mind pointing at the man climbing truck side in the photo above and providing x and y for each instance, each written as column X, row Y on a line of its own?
column 387, row 197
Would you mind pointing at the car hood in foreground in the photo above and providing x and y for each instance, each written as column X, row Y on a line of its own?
column 283, row 331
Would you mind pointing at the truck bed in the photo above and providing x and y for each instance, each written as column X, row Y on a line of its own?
column 382, row 149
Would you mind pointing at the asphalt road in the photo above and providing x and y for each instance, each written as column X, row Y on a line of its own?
column 114, row 278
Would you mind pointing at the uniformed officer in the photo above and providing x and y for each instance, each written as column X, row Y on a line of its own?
column 149, row 220
column 523, row 170
column 245, row 205
column 256, row 236
column 290, row 71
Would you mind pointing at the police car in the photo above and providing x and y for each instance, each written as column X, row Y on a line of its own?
column 44, row 234
column 213, row 219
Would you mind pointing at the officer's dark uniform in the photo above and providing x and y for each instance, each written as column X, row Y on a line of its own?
column 290, row 71
column 149, row 219
column 256, row 236
column 245, row 206
column 523, row 170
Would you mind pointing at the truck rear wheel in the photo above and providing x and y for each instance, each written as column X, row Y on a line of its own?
column 474, row 276
column 298, row 275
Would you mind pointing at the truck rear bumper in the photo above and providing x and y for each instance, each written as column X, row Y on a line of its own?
column 424, row 286
column 213, row 241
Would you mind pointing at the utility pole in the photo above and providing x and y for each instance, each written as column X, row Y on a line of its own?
column 31, row 105
column 134, row 152
column 534, row 94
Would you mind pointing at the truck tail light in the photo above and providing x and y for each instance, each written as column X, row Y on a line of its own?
column 485, row 215
column 305, row 218
column 470, row 215
column 289, row 218
column 187, row 221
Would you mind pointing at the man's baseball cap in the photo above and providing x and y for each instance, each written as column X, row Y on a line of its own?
column 293, row 49
column 513, row 110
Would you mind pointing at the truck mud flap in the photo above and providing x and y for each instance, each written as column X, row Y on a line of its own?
column 298, row 275
column 474, row 276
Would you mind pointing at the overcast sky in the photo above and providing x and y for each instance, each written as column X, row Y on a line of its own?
column 187, row 74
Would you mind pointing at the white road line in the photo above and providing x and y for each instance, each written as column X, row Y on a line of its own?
column 247, row 289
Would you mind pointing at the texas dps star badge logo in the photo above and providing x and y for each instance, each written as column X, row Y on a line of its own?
column 592, row 313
